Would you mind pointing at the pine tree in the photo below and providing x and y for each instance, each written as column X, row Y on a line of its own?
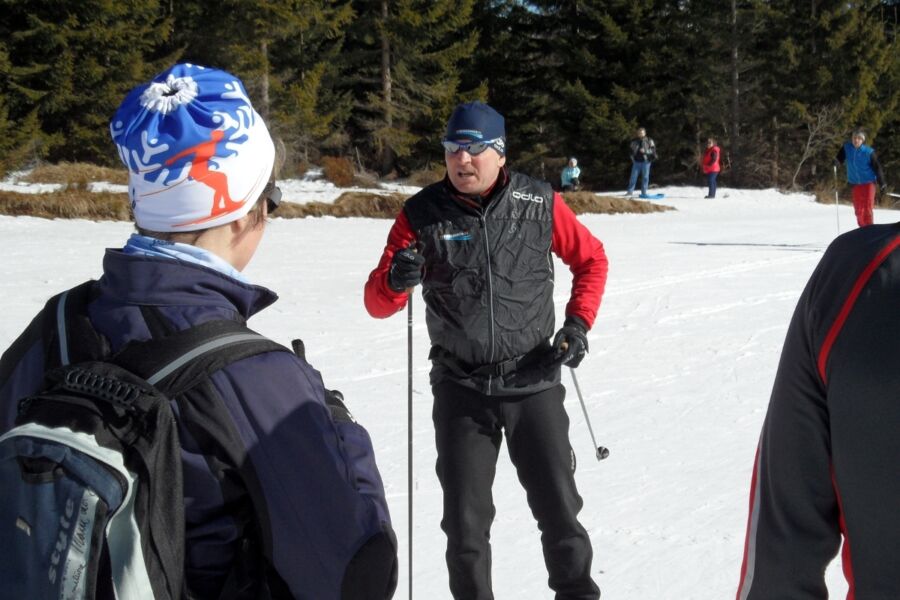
column 515, row 63
column 81, row 58
column 20, row 136
column 403, row 60
column 309, row 114
column 888, row 136
column 287, row 53
column 816, row 72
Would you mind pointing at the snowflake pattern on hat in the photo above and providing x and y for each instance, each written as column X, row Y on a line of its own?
column 197, row 152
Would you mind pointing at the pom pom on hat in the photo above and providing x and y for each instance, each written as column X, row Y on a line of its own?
column 476, row 121
column 198, row 154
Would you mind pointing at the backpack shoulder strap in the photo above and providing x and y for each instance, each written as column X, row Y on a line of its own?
column 175, row 362
column 66, row 321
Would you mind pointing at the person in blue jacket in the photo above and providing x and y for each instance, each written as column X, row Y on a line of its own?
column 569, row 178
column 863, row 173
column 266, row 448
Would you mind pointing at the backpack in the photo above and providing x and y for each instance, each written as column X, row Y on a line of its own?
column 91, row 497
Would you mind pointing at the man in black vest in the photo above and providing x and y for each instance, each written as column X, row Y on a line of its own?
column 479, row 242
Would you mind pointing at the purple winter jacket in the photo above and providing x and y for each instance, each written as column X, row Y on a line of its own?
column 314, row 489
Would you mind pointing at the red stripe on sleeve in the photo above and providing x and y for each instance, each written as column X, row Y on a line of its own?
column 750, row 539
column 861, row 282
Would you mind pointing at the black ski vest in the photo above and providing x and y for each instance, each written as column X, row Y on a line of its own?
column 488, row 284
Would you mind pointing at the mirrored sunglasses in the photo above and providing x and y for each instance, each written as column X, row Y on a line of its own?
column 272, row 195
column 473, row 148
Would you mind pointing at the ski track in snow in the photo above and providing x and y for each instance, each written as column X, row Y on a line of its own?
column 683, row 354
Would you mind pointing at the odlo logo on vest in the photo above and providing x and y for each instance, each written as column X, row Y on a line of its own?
column 528, row 197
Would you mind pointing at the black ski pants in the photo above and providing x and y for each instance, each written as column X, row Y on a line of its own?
column 468, row 430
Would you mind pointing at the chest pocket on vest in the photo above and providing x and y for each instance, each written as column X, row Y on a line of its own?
column 455, row 263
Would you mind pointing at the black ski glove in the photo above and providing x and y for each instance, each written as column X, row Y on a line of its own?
column 406, row 270
column 570, row 344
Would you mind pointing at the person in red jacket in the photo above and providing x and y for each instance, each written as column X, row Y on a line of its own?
column 480, row 242
column 711, row 166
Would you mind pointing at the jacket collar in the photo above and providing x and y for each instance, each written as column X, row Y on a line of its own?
column 135, row 279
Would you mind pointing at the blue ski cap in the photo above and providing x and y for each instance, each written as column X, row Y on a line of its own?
column 477, row 122
column 198, row 154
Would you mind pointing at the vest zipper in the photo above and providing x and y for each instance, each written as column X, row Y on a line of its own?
column 487, row 258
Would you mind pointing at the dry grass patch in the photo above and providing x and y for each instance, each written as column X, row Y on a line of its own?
column 427, row 176
column 76, row 174
column 67, row 204
column 588, row 202
column 348, row 204
column 109, row 206
column 338, row 170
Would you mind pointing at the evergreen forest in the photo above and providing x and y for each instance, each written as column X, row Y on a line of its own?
column 779, row 83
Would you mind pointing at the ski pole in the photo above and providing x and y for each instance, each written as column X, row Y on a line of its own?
column 602, row 451
column 409, row 431
column 837, row 210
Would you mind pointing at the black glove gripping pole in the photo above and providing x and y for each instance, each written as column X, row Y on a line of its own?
column 409, row 431
column 602, row 451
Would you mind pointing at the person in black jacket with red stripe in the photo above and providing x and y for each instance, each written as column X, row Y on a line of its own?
column 827, row 463
column 480, row 243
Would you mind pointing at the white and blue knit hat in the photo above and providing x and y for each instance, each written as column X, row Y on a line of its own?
column 198, row 154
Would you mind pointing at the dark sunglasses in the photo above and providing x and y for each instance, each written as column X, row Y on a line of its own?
column 272, row 195
column 473, row 148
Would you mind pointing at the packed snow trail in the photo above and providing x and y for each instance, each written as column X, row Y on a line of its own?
column 682, row 359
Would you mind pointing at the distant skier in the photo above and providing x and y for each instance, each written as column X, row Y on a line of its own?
column 826, row 465
column 711, row 166
column 569, row 176
column 643, row 152
column 863, row 172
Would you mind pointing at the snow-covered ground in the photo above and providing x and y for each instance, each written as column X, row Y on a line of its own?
column 683, row 354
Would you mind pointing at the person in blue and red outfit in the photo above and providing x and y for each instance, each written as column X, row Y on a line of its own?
column 711, row 165
column 479, row 242
column 282, row 496
column 863, row 173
